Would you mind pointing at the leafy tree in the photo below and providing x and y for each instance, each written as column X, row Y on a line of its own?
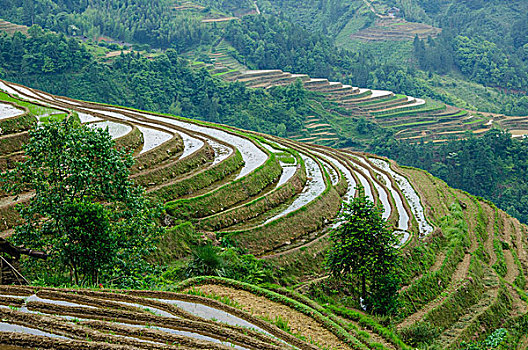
column 363, row 250
column 83, row 208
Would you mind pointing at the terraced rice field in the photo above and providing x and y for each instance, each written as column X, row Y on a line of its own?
column 9, row 111
column 395, row 29
column 277, row 199
column 412, row 119
column 11, row 28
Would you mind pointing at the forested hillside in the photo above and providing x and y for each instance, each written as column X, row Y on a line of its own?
column 482, row 42
column 167, row 83
column 146, row 22
column 468, row 48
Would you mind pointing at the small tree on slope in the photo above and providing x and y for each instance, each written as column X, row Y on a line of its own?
column 84, row 210
column 363, row 251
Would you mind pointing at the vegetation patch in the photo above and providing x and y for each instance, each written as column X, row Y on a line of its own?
column 13, row 143
column 18, row 124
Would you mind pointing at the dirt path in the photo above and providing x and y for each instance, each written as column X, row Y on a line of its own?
column 224, row 19
column 519, row 243
column 507, row 228
column 451, row 335
column 459, row 275
column 519, row 306
column 265, row 308
column 513, row 271
column 490, row 228
column 11, row 200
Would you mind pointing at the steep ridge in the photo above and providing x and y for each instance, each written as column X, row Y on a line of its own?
column 277, row 199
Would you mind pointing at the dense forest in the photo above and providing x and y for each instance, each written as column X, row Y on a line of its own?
column 61, row 65
column 301, row 37
column 140, row 21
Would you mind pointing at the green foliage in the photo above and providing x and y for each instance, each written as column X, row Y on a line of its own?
column 500, row 265
column 176, row 243
column 419, row 334
column 496, row 340
column 85, row 211
column 141, row 21
column 363, row 249
column 209, row 260
column 88, row 244
column 282, row 323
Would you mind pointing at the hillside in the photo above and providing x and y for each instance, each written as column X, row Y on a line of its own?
column 460, row 39
column 464, row 266
column 412, row 119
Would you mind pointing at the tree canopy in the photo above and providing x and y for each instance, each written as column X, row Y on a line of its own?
column 364, row 252
column 83, row 208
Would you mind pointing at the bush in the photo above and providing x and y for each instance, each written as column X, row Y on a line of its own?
column 419, row 334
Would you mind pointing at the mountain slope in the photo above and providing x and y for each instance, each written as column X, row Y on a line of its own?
column 464, row 266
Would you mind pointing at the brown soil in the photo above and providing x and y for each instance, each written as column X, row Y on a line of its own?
column 263, row 307
column 519, row 243
column 519, row 306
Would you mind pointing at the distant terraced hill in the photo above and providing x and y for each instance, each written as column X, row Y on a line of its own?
column 464, row 269
column 412, row 119
column 395, row 29
column 11, row 28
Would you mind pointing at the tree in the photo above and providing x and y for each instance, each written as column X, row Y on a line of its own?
column 83, row 208
column 364, row 251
